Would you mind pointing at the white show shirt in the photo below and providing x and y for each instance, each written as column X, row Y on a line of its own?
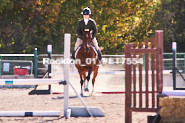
column 86, row 21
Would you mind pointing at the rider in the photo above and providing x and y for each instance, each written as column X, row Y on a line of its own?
column 86, row 23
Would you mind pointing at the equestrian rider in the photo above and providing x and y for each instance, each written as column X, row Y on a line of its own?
column 86, row 23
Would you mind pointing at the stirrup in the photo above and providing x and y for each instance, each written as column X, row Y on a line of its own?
column 101, row 62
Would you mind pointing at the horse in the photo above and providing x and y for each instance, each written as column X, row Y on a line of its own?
column 89, row 62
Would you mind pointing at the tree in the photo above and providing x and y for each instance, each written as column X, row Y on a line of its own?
column 121, row 22
column 29, row 24
column 171, row 17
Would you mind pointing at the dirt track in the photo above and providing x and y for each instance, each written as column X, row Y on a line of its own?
column 19, row 100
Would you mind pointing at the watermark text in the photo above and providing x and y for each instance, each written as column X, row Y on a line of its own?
column 88, row 61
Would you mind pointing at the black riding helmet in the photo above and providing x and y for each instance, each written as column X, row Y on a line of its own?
column 86, row 11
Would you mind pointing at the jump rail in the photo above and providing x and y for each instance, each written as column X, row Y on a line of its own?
column 31, row 81
column 30, row 113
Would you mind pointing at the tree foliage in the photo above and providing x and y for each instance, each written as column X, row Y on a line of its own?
column 26, row 24
column 123, row 21
column 171, row 17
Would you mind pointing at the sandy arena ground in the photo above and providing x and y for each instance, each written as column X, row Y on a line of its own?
column 19, row 100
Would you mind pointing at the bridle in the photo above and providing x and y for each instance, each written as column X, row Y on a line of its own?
column 86, row 42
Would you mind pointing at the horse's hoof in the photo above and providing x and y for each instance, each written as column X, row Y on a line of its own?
column 81, row 95
column 86, row 89
column 93, row 93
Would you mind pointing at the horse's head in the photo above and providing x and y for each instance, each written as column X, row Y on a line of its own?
column 86, row 39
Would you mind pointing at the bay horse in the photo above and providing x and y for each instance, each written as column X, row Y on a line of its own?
column 89, row 62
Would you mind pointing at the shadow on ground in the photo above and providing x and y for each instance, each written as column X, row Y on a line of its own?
column 71, row 97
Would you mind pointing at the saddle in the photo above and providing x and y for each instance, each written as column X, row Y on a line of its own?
column 92, row 45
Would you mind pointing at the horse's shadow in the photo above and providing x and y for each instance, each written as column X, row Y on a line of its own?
column 71, row 97
column 53, row 120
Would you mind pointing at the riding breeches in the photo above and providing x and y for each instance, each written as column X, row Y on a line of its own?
column 80, row 42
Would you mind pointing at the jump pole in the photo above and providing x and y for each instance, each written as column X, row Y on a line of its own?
column 30, row 114
column 31, row 81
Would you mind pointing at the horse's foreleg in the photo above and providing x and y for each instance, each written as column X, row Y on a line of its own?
column 93, row 80
column 81, row 82
column 88, row 78
column 84, row 77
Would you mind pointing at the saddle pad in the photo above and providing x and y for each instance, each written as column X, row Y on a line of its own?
column 91, row 46
column 94, row 50
column 77, row 51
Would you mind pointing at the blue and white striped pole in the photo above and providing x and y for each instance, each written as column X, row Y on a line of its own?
column 30, row 113
column 30, row 81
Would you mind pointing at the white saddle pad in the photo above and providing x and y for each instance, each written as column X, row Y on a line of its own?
column 91, row 46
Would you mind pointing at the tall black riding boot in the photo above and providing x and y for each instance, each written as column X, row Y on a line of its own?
column 73, row 54
column 99, row 54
